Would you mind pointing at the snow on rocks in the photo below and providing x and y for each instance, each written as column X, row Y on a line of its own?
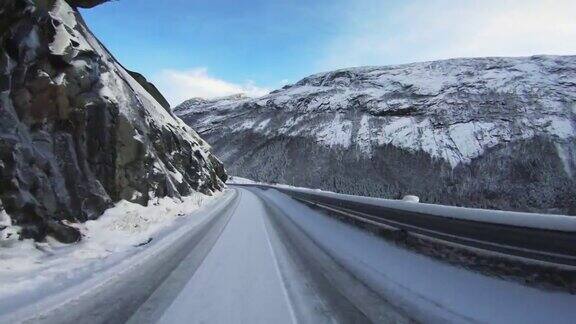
column 8, row 232
column 567, row 154
column 338, row 132
column 129, row 224
column 262, row 125
column 66, row 40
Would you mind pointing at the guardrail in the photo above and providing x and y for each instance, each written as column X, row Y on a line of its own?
column 541, row 237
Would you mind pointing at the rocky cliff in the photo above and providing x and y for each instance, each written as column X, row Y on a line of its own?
column 78, row 131
column 483, row 132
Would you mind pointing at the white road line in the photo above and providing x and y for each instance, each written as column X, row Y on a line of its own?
column 279, row 274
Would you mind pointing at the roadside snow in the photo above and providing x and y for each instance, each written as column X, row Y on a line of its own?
column 129, row 224
column 29, row 269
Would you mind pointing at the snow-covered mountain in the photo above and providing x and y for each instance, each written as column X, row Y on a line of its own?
column 200, row 103
column 486, row 132
column 78, row 131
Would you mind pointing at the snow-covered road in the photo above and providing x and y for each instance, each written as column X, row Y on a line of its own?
column 239, row 281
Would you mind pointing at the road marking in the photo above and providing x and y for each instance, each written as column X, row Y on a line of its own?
column 278, row 273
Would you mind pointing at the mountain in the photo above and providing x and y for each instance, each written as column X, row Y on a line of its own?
column 196, row 104
column 480, row 132
column 79, row 132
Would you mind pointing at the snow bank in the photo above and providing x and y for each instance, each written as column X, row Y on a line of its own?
column 129, row 224
column 29, row 268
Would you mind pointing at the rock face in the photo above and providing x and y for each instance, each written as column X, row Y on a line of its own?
column 152, row 90
column 86, row 3
column 486, row 132
column 77, row 131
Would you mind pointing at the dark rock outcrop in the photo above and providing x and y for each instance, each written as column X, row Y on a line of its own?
column 152, row 90
column 86, row 3
column 77, row 132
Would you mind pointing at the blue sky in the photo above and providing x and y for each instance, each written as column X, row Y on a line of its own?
column 210, row 48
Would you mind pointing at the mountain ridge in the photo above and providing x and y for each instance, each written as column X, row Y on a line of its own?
column 450, row 114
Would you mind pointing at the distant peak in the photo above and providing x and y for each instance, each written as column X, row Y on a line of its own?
column 196, row 102
column 236, row 96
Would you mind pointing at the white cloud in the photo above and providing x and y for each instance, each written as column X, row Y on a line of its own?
column 178, row 86
column 377, row 33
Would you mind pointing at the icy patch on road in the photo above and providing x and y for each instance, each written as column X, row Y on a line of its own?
column 28, row 267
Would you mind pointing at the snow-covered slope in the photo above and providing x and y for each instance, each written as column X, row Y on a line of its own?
column 485, row 132
column 78, row 131
column 196, row 104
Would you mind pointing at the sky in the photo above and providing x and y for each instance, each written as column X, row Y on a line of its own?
column 213, row 48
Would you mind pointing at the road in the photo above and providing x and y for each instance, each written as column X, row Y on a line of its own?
column 278, row 261
column 254, row 274
column 260, row 256
column 241, row 273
